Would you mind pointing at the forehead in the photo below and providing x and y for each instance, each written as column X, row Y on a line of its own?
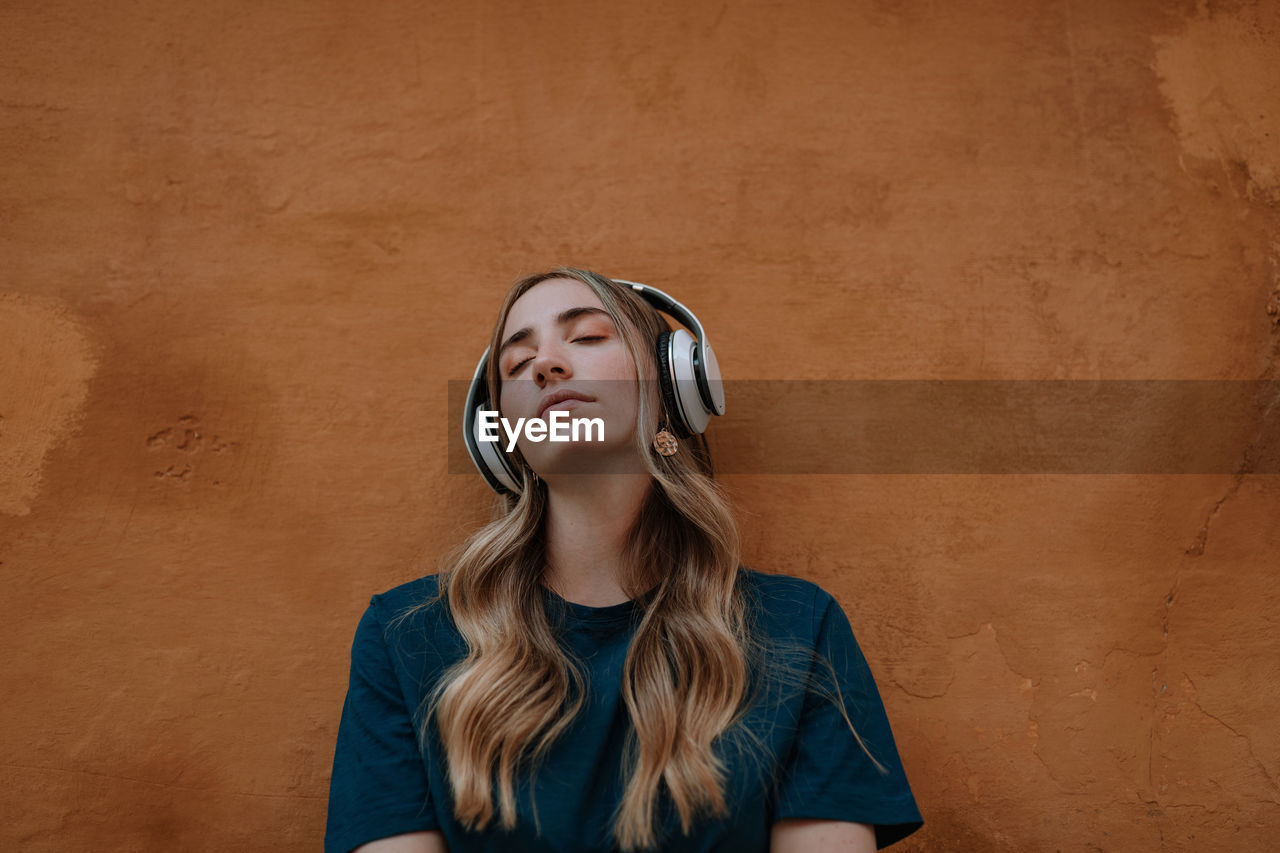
column 545, row 300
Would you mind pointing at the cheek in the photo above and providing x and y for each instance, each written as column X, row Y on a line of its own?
column 627, row 386
column 621, row 365
column 513, row 398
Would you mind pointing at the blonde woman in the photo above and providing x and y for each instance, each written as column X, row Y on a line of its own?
column 595, row 670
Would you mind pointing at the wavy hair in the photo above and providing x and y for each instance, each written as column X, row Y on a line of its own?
column 688, row 670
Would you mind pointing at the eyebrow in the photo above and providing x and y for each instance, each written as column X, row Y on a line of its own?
column 564, row 317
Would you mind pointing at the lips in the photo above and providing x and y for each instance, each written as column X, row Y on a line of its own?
column 559, row 397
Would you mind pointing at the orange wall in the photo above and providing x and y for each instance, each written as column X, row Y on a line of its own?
column 245, row 245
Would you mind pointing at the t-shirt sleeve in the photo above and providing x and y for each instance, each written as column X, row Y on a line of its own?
column 829, row 775
column 379, row 785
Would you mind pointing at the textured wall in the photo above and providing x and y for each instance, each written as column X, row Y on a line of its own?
column 245, row 245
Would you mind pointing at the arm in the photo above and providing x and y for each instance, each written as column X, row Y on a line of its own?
column 413, row 842
column 835, row 791
column 807, row 836
column 378, row 788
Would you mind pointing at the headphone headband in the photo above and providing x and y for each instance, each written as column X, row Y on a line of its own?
column 712, row 394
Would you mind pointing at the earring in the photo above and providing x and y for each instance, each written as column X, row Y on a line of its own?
column 665, row 443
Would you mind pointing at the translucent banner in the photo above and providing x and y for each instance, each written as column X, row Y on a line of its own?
column 963, row 426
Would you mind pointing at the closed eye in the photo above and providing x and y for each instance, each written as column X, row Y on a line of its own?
column 516, row 367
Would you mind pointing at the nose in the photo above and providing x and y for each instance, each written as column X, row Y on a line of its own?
column 550, row 362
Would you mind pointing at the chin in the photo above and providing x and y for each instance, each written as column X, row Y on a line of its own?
column 579, row 459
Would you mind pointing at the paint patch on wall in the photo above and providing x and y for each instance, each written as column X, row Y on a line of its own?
column 1219, row 77
column 46, row 362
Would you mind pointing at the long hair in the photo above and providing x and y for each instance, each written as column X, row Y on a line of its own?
column 687, row 671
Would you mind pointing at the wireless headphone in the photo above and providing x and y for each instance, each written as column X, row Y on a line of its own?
column 688, row 376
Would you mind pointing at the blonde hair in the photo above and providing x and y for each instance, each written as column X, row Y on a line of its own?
column 687, row 671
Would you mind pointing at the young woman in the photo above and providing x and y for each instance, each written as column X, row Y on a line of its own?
column 595, row 670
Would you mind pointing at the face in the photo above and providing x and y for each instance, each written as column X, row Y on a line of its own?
column 558, row 337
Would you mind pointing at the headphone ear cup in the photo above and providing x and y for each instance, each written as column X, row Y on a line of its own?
column 666, row 384
column 499, row 465
column 489, row 458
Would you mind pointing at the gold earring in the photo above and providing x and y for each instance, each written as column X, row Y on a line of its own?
column 665, row 443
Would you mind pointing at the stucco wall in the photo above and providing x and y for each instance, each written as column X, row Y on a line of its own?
column 245, row 246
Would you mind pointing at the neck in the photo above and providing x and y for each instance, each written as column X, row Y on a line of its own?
column 588, row 518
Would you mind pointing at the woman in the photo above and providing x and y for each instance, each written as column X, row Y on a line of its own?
column 595, row 669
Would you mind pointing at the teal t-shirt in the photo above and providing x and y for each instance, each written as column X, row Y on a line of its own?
column 386, row 781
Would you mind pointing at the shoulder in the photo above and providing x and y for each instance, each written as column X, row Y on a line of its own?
column 421, row 592
column 425, row 585
column 777, row 586
column 785, row 603
column 409, row 620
